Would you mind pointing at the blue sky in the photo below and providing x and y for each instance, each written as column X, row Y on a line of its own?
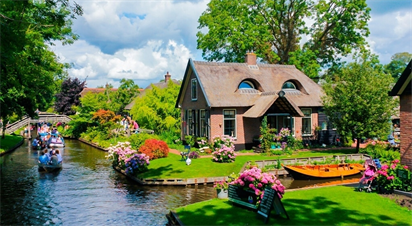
column 144, row 39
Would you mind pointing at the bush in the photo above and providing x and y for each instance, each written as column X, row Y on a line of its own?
column 381, row 151
column 193, row 155
column 170, row 137
column 154, row 149
column 224, row 154
column 389, row 179
column 137, row 140
column 127, row 159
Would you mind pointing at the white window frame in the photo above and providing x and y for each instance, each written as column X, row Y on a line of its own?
column 223, row 114
column 194, row 80
column 311, row 119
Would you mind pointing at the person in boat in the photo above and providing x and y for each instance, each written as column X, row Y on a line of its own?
column 370, row 171
column 59, row 156
column 54, row 160
column 44, row 158
column 59, row 139
column 35, row 142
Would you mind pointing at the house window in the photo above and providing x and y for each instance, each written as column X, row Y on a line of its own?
column 190, row 122
column 203, row 124
column 282, row 120
column 229, row 122
column 307, row 121
column 246, row 85
column 288, row 85
column 194, row 89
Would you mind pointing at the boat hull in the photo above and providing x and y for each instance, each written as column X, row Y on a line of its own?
column 323, row 171
column 56, row 145
column 50, row 168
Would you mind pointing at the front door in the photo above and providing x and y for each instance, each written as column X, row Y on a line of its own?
column 279, row 121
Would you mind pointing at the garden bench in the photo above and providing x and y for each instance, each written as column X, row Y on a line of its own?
column 185, row 154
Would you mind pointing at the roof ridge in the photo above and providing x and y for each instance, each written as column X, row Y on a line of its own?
column 242, row 64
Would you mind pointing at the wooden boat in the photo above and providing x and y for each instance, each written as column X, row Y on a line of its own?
column 324, row 171
column 50, row 168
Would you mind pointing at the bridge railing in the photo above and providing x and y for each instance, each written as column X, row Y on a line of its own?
column 42, row 117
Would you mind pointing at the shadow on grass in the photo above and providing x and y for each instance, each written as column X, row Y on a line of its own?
column 316, row 211
column 166, row 170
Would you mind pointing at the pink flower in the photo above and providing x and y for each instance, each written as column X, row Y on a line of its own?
column 405, row 167
column 395, row 161
column 390, row 177
column 393, row 166
column 384, row 167
column 260, row 185
column 251, row 186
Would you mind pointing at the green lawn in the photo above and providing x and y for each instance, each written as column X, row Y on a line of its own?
column 338, row 205
column 8, row 142
column 173, row 167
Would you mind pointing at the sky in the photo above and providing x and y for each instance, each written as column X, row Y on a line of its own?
column 144, row 39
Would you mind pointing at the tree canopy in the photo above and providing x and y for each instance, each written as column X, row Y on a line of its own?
column 357, row 101
column 156, row 109
column 307, row 33
column 29, row 69
column 69, row 96
column 398, row 63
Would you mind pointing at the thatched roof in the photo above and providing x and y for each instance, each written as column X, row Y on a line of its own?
column 220, row 82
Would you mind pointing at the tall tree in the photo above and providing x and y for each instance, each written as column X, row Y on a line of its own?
column 278, row 31
column 156, row 109
column 357, row 100
column 126, row 93
column 398, row 63
column 69, row 96
column 29, row 69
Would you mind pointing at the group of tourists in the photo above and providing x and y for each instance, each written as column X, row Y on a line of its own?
column 52, row 157
column 128, row 123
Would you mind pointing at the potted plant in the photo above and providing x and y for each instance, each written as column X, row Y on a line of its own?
column 221, row 189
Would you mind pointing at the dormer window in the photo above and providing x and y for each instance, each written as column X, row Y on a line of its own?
column 289, row 85
column 246, row 85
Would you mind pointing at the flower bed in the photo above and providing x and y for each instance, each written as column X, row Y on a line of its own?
column 395, row 176
column 125, row 158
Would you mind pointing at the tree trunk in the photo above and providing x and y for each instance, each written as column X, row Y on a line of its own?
column 358, row 140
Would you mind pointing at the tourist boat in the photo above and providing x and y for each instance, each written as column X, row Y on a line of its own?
column 324, row 171
column 53, row 142
column 50, row 168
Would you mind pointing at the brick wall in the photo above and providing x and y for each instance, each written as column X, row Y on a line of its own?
column 406, row 129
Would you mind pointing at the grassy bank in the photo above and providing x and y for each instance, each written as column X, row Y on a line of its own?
column 337, row 205
column 8, row 142
column 173, row 167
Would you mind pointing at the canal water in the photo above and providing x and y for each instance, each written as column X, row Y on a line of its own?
column 89, row 192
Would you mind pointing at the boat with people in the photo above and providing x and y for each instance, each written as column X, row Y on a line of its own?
column 324, row 171
column 55, row 141
column 50, row 168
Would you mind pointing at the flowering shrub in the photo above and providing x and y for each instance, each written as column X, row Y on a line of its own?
column 389, row 180
column 284, row 132
column 219, row 141
column 221, row 185
column 136, row 163
column 202, row 142
column 127, row 159
column 257, row 181
column 224, row 154
column 193, row 155
column 154, row 149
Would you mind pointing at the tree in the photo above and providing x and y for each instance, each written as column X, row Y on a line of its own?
column 156, row 109
column 29, row 69
column 398, row 63
column 357, row 101
column 277, row 31
column 126, row 93
column 69, row 96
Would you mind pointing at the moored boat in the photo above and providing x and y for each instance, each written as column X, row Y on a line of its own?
column 50, row 168
column 324, row 171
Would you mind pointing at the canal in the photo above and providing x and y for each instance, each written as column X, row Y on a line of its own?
column 86, row 192
column 89, row 192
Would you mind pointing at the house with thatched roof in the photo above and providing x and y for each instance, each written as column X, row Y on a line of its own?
column 403, row 89
column 232, row 99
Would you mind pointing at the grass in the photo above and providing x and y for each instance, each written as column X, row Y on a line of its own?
column 338, row 205
column 8, row 142
column 173, row 167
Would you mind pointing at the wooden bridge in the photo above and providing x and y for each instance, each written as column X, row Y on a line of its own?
column 42, row 117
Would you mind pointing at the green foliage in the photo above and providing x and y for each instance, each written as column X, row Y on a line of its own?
column 394, row 176
column 266, row 135
column 170, row 138
column 274, row 30
column 8, row 142
column 190, row 140
column 294, row 144
column 156, row 109
column 30, row 71
column 77, row 126
column 137, row 140
column 381, row 151
column 357, row 101
column 398, row 63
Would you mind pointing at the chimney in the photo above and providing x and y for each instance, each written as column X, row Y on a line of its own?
column 250, row 58
column 167, row 77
